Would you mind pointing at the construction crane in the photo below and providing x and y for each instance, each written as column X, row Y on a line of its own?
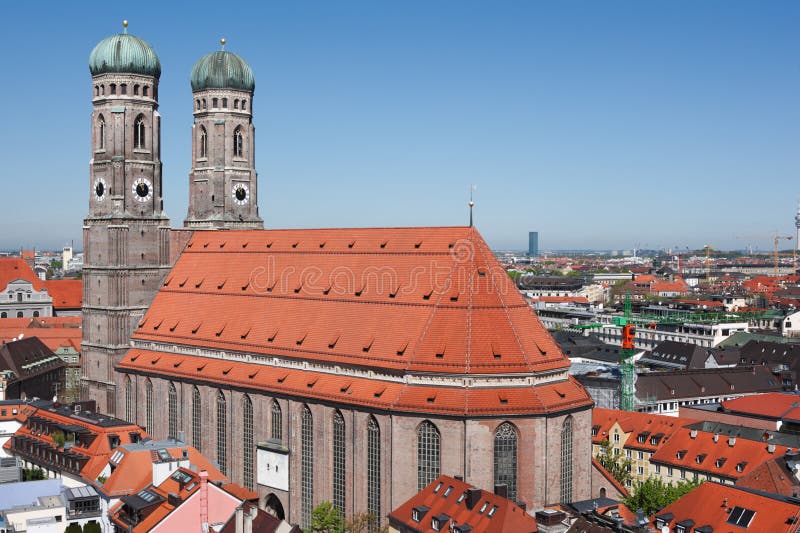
column 628, row 382
column 776, row 239
column 707, row 248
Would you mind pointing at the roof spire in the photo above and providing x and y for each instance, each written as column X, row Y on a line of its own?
column 124, row 26
column 471, row 204
column 222, row 43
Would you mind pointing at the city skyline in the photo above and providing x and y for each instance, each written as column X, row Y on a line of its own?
column 555, row 112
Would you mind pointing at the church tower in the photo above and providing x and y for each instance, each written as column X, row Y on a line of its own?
column 126, row 233
column 223, row 184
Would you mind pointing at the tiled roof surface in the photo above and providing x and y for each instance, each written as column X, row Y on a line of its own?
column 490, row 514
column 28, row 357
column 14, row 268
column 397, row 396
column 66, row 293
column 728, row 457
column 647, row 425
column 705, row 383
column 712, row 504
column 772, row 405
column 772, row 476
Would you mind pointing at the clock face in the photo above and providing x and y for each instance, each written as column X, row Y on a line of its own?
column 99, row 189
column 240, row 193
column 142, row 189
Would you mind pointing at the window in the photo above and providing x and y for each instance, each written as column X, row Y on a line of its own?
column 238, row 142
column 306, row 467
column 627, row 453
column 36, row 314
column 172, row 411
column 123, row 89
column 505, row 459
column 128, row 399
column 148, row 404
column 640, row 470
column 428, row 440
column 197, row 104
column 113, row 88
column 236, row 104
column 197, row 410
column 566, row 460
column 741, row 517
column 214, row 103
column 3, row 315
column 203, row 142
column 204, row 104
column 224, row 103
column 138, row 133
column 658, row 469
column 247, row 442
column 19, row 296
column 101, row 133
column 145, row 91
column 277, row 421
column 373, row 474
column 136, row 90
column 640, row 455
column 616, row 437
column 244, row 105
column 338, row 462
column 222, row 432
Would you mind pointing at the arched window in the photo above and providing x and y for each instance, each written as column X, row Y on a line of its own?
column 224, row 103
column 19, row 314
column 3, row 315
column 566, row 460
column 204, row 104
column 172, row 411
column 138, row 132
column 339, row 462
column 214, row 103
column 236, row 104
column 148, row 405
column 203, row 141
column 244, row 105
column 373, row 474
column 306, row 467
column 35, row 314
column 222, row 433
column 197, row 104
column 247, row 442
column 145, row 91
column 196, row 423
column 128, row 399
column 428, row 445
column 102, row 90
column 101, row 133
column 19, row 296
column 505, row 459
column 136, row 90
column 238, row 142
column 113, row 88
column 277, row 421
column 123, row 88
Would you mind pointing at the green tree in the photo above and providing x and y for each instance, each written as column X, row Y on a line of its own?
column 325, row 518
column 32, row 474
column 73, row 528
column 618, row 466
column 91, row 527
column 653, row 494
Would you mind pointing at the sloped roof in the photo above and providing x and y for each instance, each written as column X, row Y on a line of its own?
column 773, row 476
column 28, row 358
column 636, row 425
column 66, row 293
column 705, row 382
column 14, row 268
column 611, row 479
column 773, row 405
column 389, row 300
column 490, row 513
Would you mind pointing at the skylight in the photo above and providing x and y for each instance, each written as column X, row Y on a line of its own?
column 741, row 517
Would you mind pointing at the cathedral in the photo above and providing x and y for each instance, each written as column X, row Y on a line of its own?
column 344, row 365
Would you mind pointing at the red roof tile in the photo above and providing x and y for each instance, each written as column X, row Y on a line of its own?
column 66, row 293
column 773, row 405
column 14, row 268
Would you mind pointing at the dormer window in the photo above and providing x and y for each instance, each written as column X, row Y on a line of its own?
column 447, row 491
column 740, row 466
column 418, row 513
column 438, row 487
column 492, row 511
column 595, row 429
column 438, row 522
column 483, row 507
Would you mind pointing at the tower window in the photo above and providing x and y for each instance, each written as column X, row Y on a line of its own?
column 214, row 103
column 138, row 132
column 102, row 90
column 224, row 103
column 123, row 89
column 101, row 133
column 128, row 399
column 236, row 104
column 566, row 460
column 244, row 105
column 198, row 105
column 238, row 142
column 145, row 91
column 136, row 90
column 97, row 90
column 203, row 141
column 113, row 88
column 204, row 104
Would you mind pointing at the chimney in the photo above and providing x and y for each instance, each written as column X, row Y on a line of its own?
column 204, row 500
column 173, row 499
column 716, row 437
column 770, row 448
column 523, row 506
column 473, row 495
column 240, row 519
column 731, row 441
column 501, row 490
column 460, row 478
column 693, row 433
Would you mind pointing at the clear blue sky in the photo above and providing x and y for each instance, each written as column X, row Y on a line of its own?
column 599, row 124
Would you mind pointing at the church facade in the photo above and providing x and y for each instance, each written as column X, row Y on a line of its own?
column 345, row 365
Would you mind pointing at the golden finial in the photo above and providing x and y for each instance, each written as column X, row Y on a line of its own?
column 222, row 42
column 125, row 26
column 472, row 188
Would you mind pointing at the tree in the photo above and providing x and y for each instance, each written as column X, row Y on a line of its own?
column 73, row 528
column 325, row 518
column 616, row 465
column 32, row 474
column 653, row 494
column 91, row 527
column 361, row 523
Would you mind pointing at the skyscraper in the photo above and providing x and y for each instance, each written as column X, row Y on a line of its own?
column 533, row 243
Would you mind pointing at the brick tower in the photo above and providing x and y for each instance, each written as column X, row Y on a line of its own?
column 223, row 189
column 126, row 233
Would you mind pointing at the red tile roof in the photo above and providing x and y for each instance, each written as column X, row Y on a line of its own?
column 772, row 405
column 638, row 425
column 773, row 476
column 717, row 505
column 490, row 513
column 14, row 268
column 66, row 293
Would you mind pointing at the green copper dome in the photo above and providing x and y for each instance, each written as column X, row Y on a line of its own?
column 222, row 70
column 124, row 53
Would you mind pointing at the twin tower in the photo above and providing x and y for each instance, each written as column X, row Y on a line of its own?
column 128, row 244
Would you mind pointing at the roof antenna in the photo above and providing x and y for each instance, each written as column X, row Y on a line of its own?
column 472, row 188
column 124, row 26
column 222, row 43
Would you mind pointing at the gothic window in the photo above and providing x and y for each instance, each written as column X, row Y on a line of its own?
column 277, row 421
column 203, row 142
column 196, row 414
column 97, row 90
column 306, row 467
column 101, row 133
column 224, row 103
column 128, row 399
column 214, row 103
column 566, row 460
column 428, row 440
column 236, row 104
column 136, row 90
column 338, row 461
column 172, row 411
column 222, row 433
column 373, row 473
column 238, row 142
column 145, row 91
column 138, row 132
column 113, row 88
column 505, row 459
column 247, row 442
column 123, row 88
column 148, row 404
